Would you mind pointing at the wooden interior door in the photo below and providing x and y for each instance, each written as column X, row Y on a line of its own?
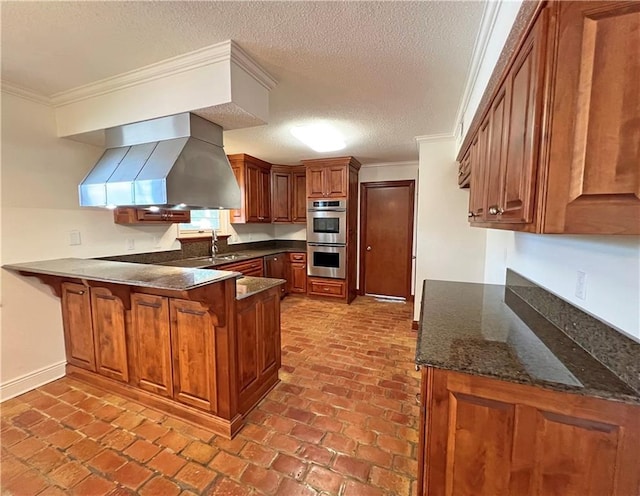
column 386, row 218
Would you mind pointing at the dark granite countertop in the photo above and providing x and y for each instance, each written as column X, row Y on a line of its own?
column 242, row 255
column 133, row 274
column 469, row 328
column 248, row 286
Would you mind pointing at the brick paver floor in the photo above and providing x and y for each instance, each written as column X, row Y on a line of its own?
column 343, row 421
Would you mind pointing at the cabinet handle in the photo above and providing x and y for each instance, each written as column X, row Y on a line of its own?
column 471, row 215
column 75, row 292
column 495, row 210
column 151, row 305
column 418, row 398
column 190, row 312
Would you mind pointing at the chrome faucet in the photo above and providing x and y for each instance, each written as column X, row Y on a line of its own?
column 214, row 243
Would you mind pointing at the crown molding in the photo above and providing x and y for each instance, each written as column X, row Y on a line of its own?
column 430, row 138
column 27, row 94
column 410, row 163
column 487, row 25
column 240, row 57
column 220, row 52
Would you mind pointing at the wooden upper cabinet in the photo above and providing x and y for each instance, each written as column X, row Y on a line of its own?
column 594, row 165
column 78, row 329
column 568, row 110
column 288, row 194
column 254, row 178
column 485, row 437
column 151, row 343
column 281, row 194
column 193, row 348
column 299, row 207
column 329, row 178
column 130, row 215
column 109, row 334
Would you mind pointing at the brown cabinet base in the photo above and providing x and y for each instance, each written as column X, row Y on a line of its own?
column 197, row 417
column 331, row 288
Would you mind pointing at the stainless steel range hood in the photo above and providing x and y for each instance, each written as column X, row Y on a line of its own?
column 171, row 162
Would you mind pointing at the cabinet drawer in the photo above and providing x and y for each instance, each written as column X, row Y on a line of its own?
column 254, row 267
column 297, row 257
column 327, row 287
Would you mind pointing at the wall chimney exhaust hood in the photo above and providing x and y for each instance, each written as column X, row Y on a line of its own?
column 170, row 162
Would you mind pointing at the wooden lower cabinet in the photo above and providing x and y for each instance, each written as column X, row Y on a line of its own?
column 258, row 346
column 481, row 436
column 333, row 288
column 297, row 273
column 78, row 331
column 194, row 354
column 151, row 343
column 109, row 334
column 253, row 267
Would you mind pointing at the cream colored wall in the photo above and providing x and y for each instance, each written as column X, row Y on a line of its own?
column 39, row 207
column 447, row 248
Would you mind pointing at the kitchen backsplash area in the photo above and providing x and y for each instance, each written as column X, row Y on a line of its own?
column 608, row 345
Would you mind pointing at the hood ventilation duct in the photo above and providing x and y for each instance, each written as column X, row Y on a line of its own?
column 170, row 162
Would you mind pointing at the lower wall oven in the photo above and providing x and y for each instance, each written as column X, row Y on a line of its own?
column 326, row 260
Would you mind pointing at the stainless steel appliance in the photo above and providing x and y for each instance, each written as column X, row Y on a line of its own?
column 327, row 221
column 326, row 260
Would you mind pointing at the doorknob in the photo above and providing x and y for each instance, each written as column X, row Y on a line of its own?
column 368, row 248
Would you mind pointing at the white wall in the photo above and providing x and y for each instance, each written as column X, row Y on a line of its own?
column 447, row 248
column 504, row 16
column 39, row 207
column 612, row 265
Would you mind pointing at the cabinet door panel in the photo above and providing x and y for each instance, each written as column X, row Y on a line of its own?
column 270, row 339
column 194, row 357
column 281, row 196
column 479, row 445
column 264, row 197
column 248, row 321
column 253, row 187
column 109, row 334
column 152, row 343
column 525, row 90
column 315, row 182
column 499, row 122
column 76, row 317
column 299, row 208
column 298, row 275
column 595, row 150
column 578, row 456
column 336, row 182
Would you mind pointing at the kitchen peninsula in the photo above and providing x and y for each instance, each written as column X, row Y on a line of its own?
column 200, row 344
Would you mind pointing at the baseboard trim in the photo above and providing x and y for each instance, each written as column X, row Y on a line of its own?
column 32, row 380
column 414, row 325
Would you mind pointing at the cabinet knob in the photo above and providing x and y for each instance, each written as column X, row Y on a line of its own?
column 471, row 215
column 495, row 210
column 368, row 248
column 460, row 172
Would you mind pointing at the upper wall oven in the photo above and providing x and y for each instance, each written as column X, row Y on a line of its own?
column 327, row 221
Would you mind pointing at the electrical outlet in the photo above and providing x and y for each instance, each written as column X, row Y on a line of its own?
column 74, row 238
column 131, row 244
column 581, row 285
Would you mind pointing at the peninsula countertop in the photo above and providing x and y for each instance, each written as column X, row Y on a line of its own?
column 133, row 274
column 469, row 328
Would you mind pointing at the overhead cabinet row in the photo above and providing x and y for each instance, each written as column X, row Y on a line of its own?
column 557, row 149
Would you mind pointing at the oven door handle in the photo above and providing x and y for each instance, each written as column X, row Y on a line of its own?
column 329, row 245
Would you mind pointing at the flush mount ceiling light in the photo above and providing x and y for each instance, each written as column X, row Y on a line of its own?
column 319, row 137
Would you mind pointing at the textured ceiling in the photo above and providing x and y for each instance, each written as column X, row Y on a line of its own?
column 382, row 72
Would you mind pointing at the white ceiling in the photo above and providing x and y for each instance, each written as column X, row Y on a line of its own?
column 382, row 72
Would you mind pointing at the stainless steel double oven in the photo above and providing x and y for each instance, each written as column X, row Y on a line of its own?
column 327, row 238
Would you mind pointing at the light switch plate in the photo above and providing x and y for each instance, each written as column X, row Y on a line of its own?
column 74, row 238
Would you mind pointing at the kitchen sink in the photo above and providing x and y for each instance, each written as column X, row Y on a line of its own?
column 229, row 256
